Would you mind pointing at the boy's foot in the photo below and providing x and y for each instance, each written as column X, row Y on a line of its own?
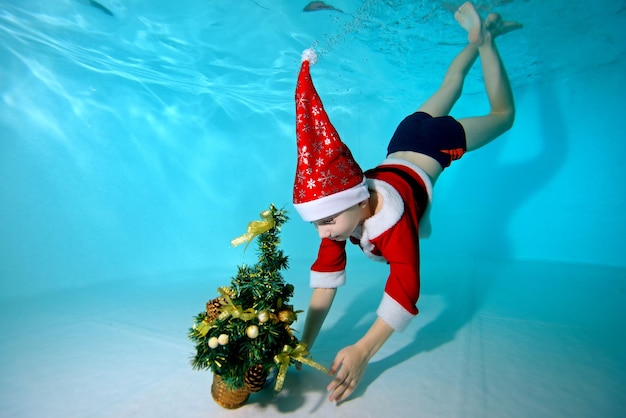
column 470, row 20
column 496, row 26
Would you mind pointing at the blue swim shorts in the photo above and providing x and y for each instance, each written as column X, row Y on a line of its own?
column 442, row 138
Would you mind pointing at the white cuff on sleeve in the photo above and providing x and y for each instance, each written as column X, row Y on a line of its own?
column 394, row 314
column 327, row 280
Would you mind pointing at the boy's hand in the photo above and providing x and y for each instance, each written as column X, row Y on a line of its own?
column 349, row 365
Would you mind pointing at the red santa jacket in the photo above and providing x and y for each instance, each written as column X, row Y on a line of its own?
column 391, row 235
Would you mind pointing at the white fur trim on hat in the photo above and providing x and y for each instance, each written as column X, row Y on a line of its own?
column 326, row 206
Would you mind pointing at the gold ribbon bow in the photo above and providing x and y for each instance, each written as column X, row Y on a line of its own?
column 230, row 309
column 255, row 228
column 203, row 327
column 298, row 353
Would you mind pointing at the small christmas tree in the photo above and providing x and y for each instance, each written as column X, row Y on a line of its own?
column 246, row 331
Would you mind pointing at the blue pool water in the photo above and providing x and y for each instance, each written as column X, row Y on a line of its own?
column 138, row 138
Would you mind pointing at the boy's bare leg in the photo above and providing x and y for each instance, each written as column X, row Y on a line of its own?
column 441, row 102
column 483, row 129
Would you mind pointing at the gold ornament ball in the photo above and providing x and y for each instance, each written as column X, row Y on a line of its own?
column 252, row 331
column 263, row 316
column 286, row 316
column 222, row 339
column 213, row 342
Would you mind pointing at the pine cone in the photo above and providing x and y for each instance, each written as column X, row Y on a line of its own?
column 213, row 309
column 255, row 377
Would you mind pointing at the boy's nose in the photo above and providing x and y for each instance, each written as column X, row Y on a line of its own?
column 323, row 232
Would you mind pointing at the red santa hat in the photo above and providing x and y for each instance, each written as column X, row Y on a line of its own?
column 328, row 179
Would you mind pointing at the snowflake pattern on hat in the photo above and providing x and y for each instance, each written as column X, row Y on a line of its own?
column 325, row 165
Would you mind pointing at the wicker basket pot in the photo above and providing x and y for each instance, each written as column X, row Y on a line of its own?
column 226, row 397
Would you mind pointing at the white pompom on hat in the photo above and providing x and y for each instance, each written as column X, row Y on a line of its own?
column 328, row 179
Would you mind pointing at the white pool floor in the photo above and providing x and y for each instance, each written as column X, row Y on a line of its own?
column 493, row 339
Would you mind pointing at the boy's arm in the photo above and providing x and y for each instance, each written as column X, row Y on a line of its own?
column 321, row 301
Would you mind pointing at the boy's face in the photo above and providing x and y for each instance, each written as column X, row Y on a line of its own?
column 339, row 227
